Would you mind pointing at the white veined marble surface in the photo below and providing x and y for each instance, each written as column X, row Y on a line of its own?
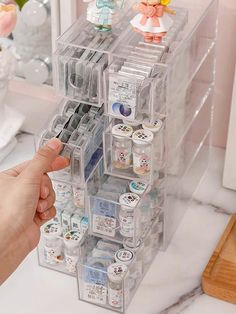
column 171, row 286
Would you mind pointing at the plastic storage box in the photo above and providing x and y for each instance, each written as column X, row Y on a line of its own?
column 80, row 127
column 158, row 103
column 109, row 275
column 82, row 56
column 134, row 151
column 56, row 250
column 121, row 209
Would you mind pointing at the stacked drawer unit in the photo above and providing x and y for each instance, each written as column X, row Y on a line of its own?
column 141, row 119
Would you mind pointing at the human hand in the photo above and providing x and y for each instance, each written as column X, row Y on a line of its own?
column 26, row 202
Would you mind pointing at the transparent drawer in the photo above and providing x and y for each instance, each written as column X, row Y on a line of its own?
column 134, row 151
column 185, row 108
column 54, row 251
column 134, row 48
column 185, row 166
column 57, row 251
column 180, row 155
column 135, row 91
column 82, row 56
column 70, row 205
column 80, row 127
column 109, row 275
column 185, row 58
column 180, row 190
column 79, row 72
column 121, row 209
column 135, row 168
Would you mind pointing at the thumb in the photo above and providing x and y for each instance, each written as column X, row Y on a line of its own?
column 43, row 159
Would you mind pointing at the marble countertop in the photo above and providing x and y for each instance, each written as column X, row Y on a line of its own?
column 171, row 286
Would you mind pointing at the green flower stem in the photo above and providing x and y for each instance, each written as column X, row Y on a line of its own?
column 21, row 3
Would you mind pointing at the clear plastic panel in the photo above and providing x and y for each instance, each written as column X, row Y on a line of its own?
column 134, row 48
column 71, row 215
column 180, row 156
column 159, row 98
column 82, row 56
column 79, row 74
column 182, row 166
column 184, row 59
column 179, row 191
column 134, row 91
column 54, row 253
column 93, row 280
column 109, row 218
column 80, row 128
column 130, row 159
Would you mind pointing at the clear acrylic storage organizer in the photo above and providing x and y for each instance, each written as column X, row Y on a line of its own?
column 177, row 110
column 82, row 56
column 185, row 167
column 94, row 281
column 71, row 215
column 132, row 93
column 80, row 128
column 134, row 151
column 186, row 57
column 121, row 209
column 58, row 251
column 136, row 78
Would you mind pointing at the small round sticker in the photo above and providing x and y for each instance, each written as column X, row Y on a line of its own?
column 124, row 256
column 154, row 127
column 52, row 230
column 72, row 237
column 137, row 187
column 129, row 199
column 116, row 272
column 142, row 137
column 122, row 130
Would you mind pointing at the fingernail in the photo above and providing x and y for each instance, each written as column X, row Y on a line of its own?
column 43, row 205
column 54, row 144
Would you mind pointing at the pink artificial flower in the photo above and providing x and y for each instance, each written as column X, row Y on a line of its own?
column 8, row 19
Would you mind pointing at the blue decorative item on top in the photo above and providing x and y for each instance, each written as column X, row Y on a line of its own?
column 101, row 12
